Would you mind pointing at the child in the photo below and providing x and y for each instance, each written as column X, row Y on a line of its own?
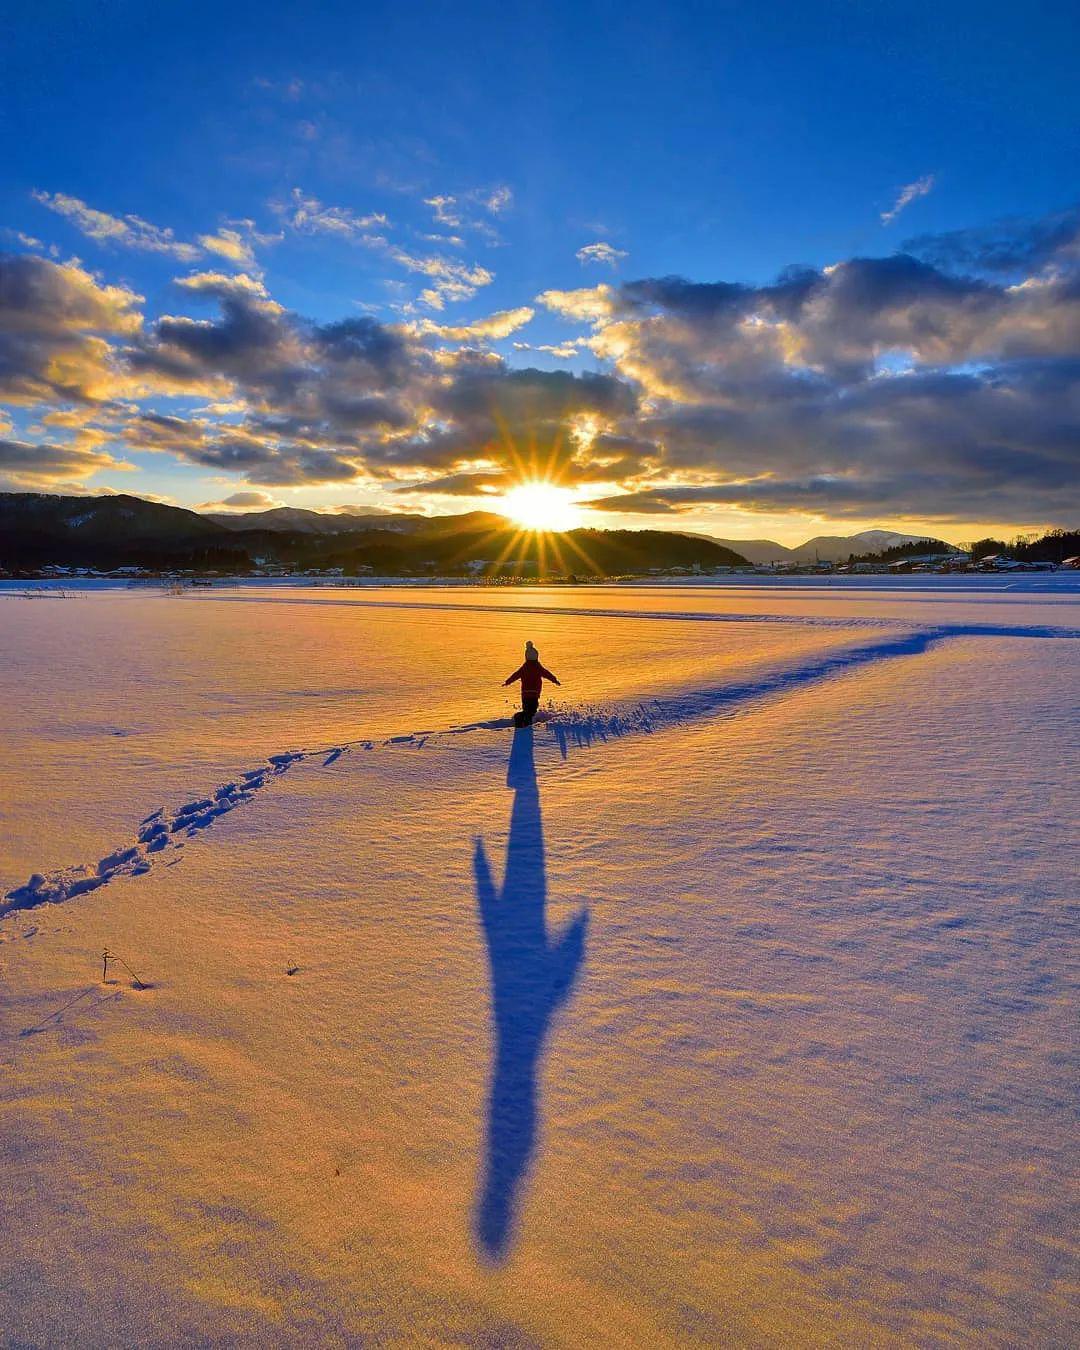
column 532, row 676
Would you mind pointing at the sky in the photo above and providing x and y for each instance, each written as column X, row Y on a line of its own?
column 753, row 271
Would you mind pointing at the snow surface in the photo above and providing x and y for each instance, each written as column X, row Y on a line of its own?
column 729, row 1006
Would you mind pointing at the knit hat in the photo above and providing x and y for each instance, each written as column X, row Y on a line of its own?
column 531, row 654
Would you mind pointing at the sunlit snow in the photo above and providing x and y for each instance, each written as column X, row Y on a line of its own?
column 730, row 1004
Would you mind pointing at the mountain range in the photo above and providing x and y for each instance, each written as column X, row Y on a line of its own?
column 346, row 521
column 822, row 548
column 117, row 530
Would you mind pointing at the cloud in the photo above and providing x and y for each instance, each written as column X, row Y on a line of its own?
column 24, row 464
column 454, row 240
column 55, row 322
column 591, row 302
column 495, row 326
column 450, row 280
column 237, row 286
column 242, row 501
column 762, row 494
column 234, row 241
column 496, row 200
column 253, row 344
column 229, row 244
column 128, row 231
column 467, row 211
column 329, row 403
column 445, row 210
column 307, row 215
column 877, row 384
column 562, row 351
column 911, row 192
column 304, row 403
column 693, row 342
column 468, row 484
column 524, row 421
column 250, row 450
column 900, row 385
column 601, row 253
column 1011, row 246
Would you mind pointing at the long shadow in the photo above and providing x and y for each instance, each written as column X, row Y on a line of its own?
column 532, row 976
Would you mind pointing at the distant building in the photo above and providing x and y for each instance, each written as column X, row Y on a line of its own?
column 925, row 562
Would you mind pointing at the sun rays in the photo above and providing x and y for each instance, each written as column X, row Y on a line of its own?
column 541, row 506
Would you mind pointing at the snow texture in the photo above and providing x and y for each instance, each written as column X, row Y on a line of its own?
column 731, row 1004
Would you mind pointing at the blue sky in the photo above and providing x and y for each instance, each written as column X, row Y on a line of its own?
column 423, row 168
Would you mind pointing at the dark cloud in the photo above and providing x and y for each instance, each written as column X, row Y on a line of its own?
column 239, row 501
column 522, row 421
column 460, row 484
column 876, row 385
column 37, row 464
column 381, row 355
column 254, row 343
column 1012, row 246
column 314, row 400
column 259, row 458
column 55, row 320
column 490, row 392
column 765, row 494
column 939, row 443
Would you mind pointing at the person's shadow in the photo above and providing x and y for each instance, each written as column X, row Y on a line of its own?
column 532, row 975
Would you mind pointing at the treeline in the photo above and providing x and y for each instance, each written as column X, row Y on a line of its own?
column 509, row 550
column 1054, row 546
column 105, row 533
column 914, row 548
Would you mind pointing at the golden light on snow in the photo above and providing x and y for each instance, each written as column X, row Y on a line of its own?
column 541, row 506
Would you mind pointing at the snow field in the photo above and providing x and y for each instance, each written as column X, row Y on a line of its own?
column 113, row 705
column 808, row 1080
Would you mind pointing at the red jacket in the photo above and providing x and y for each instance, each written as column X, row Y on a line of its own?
column 532, row 676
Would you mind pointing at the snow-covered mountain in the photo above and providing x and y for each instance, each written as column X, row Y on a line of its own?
column 99, row 519
column 838, row 547
column 822, row 548
column 296, row 518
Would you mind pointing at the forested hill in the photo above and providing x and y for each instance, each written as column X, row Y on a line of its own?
column 37, row 529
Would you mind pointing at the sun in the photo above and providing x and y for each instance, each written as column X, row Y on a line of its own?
column 541, row 506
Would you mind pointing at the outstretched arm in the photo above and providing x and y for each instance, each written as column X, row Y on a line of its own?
column 511, row 678
column 548, row 675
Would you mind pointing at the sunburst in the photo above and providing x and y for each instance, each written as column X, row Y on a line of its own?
column 541, row 506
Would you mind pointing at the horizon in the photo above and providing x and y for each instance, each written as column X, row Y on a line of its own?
column 346, row 511
column 395, row 262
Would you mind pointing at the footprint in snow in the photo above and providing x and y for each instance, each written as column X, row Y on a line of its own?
column 16, row 937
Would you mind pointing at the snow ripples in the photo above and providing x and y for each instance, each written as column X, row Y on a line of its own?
column 161, row 833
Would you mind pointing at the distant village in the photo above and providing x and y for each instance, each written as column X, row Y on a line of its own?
column 479, row 570
column 115, row 538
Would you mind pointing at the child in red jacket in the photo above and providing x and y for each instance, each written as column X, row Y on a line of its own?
column 532, row 676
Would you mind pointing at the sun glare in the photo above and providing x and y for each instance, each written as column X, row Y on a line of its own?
column 541, row 506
